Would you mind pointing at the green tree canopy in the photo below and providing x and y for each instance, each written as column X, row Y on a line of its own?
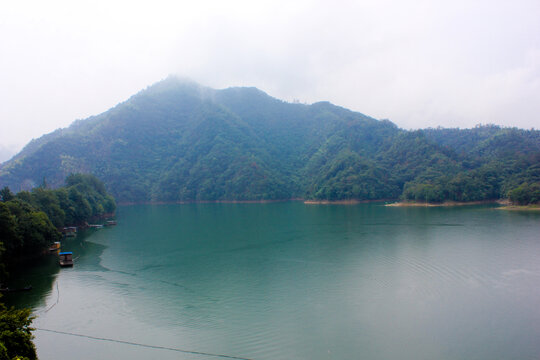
column 16, row 334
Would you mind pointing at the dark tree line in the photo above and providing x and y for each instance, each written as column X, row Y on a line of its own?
column 29, row 220
column 494, row 163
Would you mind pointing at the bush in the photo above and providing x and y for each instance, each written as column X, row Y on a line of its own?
column 525, row 194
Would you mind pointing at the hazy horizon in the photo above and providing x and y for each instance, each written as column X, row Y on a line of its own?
column 7, row 152
column 418, row 64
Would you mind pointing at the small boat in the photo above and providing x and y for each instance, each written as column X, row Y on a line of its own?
column 110, row 223
column 65, row 258
column 70, row 231
column 54, row 247
column 8, row 290
column 95, row 226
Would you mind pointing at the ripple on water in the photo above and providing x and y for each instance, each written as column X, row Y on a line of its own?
column 285, row 281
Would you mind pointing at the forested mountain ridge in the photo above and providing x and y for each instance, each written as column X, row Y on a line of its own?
column 179, row 141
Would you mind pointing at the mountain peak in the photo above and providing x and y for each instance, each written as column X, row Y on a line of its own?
column 172, row 83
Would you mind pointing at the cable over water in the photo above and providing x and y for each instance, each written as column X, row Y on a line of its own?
column 57, row 298
column 145, row 345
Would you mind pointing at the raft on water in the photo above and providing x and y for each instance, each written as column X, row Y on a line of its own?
column 65, row 258
column 70, row 231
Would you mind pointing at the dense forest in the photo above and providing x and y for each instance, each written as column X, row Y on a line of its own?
column 30, row 220
column 179, row 141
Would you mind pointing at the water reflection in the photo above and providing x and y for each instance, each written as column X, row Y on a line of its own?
column 290, row 281
column 43, row 272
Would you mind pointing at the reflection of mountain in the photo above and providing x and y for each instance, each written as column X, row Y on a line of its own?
column 44, row 271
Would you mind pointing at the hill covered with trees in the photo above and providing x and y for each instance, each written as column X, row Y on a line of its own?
column 179, row 141
column 30, row 220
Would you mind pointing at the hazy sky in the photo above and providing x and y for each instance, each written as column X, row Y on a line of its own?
column 417, row 63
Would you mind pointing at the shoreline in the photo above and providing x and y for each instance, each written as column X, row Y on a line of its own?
column 344, row 202
column 531, row 207
column 307, row 202
column 129, row 203
column 504, row 203
column 446, row 203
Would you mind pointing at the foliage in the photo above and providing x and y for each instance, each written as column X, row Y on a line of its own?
column 178, row 141
column 525, row 194
column 82, row 198
column 24, row 229
column 6, row 194
column 15, row 331
column 29, row 220
column 16, row 334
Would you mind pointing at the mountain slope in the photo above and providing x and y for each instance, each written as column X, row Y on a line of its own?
column 179, row 141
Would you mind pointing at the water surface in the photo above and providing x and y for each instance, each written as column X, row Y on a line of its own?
column 295, row 281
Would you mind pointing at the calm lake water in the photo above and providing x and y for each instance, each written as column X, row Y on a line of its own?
column 295, row 281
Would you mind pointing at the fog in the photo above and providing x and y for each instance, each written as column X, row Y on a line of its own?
column 418, row 63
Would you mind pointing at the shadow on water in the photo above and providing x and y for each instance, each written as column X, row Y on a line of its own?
column 41, row 273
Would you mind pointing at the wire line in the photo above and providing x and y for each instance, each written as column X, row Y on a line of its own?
column 145, row 345
column 57, row 298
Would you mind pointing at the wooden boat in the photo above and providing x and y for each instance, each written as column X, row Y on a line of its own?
column 65, row 258
column 70, row 231
column 54, row 247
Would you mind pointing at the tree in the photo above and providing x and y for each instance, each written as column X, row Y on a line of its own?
column 16, row 334
column 9, row 236
column 82, row 207
column 24, row 229
column 6, row 194
column 15, row 331
column 525, row 194
column 48, row 202
column 37, row 231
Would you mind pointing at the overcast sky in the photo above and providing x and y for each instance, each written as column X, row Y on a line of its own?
column 418, row 63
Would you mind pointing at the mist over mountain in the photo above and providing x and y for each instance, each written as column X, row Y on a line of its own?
column 179, row 141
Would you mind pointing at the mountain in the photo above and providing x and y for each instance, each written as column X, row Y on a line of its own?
column 179, row 141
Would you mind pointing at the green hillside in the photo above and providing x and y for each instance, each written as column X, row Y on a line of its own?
column 179, row 141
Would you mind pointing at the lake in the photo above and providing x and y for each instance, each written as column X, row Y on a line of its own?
column 294, row 281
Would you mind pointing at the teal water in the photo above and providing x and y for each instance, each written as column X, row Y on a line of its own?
column 295, row 281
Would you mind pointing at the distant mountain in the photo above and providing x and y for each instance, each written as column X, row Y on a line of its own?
column 179, row 141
